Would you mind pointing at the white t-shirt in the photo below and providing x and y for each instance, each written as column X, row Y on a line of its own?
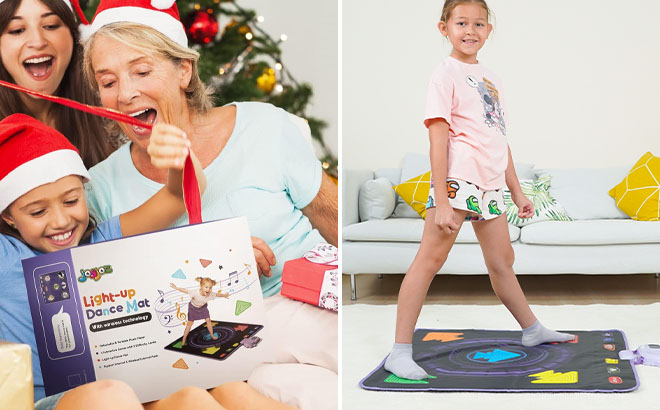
column 198, row 300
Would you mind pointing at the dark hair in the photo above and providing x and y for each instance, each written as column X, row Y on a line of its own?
column 450, row 5
column 86, row 132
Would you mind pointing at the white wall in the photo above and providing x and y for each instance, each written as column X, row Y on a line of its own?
column 311, row 51
column 581, row 79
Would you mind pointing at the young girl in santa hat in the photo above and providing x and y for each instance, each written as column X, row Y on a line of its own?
column 43, row 209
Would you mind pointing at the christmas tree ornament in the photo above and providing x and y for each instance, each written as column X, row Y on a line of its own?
column 201, row 27
column 267, row 80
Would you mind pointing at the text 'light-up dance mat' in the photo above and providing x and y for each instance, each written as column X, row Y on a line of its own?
column 491, row 360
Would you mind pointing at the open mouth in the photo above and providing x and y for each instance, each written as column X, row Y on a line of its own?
column 147, row 115
column 39, row 67
column 62, row 239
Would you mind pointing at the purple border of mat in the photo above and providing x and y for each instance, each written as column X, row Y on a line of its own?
column 625, row 340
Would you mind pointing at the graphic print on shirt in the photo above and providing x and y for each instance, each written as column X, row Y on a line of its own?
column 490, row 99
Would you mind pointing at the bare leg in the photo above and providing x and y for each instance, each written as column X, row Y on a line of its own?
column 495, row 244
column 240, row 396
column 210, row 328
column 186, row 398
column 185, row 332
column 493, row 236
column 104, row 394
column 430, row 257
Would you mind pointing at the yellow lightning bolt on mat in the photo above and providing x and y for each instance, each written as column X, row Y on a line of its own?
column 442, row 336
column 550, row 377
column 210, row 350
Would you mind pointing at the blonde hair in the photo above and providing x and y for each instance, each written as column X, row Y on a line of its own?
column 450, row 5
column 202, row 280
column 154, row 43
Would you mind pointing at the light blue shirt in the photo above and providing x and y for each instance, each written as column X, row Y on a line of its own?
column 266, row 172
column 15, row 317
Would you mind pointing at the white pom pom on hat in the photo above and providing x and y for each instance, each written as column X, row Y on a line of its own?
column 162, row 4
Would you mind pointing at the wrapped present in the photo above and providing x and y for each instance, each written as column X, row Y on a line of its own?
column 16, row 376
column 314, row 278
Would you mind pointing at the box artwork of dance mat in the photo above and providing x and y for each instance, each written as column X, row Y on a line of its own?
column 109, row 310
column 490, row 360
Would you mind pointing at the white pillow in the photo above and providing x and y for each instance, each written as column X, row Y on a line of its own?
column 583, row 192
column 524, row 171
column 376, row 199
column 546, row 208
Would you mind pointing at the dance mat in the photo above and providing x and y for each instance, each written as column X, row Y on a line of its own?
column 489, row 360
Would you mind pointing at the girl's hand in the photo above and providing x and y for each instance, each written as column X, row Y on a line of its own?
column 168, row 146
column 172, row 285
column 223, row 295
column 525, row 206
column 444, row 218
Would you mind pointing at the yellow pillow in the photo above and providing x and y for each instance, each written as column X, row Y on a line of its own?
column 415, row 192
column 638, row 195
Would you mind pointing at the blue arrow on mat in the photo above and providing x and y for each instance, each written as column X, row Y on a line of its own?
column 496, row 355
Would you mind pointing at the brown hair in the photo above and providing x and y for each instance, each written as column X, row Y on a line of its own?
column 86, row 132
column 450, row 5
column 155, row 43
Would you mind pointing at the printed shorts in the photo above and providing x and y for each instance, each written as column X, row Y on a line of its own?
column 481, row 205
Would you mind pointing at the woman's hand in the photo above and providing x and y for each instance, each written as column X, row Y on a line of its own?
column 444, row 218
column 525, row 206
column 168, row 146
column 263, row 255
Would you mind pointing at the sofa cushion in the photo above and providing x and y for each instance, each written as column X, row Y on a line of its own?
column 413, row 164
column 638, row 195
column 546, row 208
column 583, row 191
column 376, row 200
column 406, row 230
column 415, row 192
column 591, row 232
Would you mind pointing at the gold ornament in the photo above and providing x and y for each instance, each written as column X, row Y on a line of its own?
column 267, row 80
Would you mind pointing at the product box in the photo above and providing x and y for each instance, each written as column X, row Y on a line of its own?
column 314, row 278
column 117, row 310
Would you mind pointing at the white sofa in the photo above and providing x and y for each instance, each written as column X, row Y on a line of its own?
column 600, row 240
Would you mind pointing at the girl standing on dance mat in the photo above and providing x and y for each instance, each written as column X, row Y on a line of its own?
column 471, row 164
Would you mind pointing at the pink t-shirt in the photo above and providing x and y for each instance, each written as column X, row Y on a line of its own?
column 467, row 96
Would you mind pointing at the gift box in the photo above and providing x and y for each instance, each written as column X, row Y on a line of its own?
column 16, row 376
column 313, row 279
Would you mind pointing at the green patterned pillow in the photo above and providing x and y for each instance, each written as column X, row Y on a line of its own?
column 545, row 206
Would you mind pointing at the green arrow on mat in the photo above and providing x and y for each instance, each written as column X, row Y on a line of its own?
column 395, row 379
column 241, row 306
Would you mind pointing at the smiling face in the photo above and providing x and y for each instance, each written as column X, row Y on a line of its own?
column 36, row 47
column 149, row 87
column 467, row 28
column 51, row 217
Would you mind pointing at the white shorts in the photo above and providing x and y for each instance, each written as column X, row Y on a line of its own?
column 481, row 205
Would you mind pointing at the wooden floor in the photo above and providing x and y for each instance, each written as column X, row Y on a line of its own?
column 539, row 289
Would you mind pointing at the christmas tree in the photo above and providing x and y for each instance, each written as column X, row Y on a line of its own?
column 243, row 62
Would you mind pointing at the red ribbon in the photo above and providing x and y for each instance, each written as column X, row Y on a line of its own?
column 191, row 194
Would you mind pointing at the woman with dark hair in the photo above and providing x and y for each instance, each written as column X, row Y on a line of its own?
column 40, row 50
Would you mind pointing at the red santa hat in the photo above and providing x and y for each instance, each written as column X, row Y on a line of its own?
column 161, row 15
column 33, row 154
